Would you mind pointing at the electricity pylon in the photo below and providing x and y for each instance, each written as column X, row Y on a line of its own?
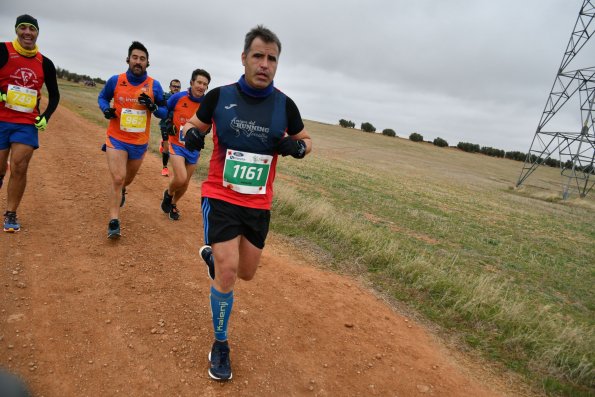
column 575, row 150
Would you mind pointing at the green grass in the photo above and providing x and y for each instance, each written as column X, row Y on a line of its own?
column 507, row 271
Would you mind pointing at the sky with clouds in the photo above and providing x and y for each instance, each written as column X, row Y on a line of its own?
column 474, row 71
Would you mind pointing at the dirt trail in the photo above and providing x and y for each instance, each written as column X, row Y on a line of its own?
column 81, row 315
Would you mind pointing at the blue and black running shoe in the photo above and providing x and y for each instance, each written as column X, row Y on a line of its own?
column 113, row 229
column 11, row 225
column 206, row 253
column 220, row 365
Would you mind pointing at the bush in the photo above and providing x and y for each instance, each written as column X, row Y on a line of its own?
column 552, row 162
column 568, row 164
column 468, row 147
column 440, row 142
column 516, row 155
column 389, row 132
column 367, row 127
column 415, row 137
column 346, row 123
column 493, row 152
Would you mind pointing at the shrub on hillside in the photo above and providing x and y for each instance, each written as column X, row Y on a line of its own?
column 468, row 147
column 367, row 127
column 415, row 137
column 346, row 123
column 389, row 132
column 440, row 142
column 568, row 164
column 552, row 162
column 490, row 151
column 516, row 155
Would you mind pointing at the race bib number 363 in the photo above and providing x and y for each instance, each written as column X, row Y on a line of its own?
column 246, row 172
column 21, row 99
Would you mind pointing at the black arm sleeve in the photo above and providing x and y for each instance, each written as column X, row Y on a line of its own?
column 3, row 54
column 207, row 106
column 295, row 125
column 51, row 83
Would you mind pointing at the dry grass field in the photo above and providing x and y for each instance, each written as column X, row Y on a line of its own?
column 503, row 272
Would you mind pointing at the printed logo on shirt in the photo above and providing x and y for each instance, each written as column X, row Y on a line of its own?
column 249, row 129
column 231, row 105
column 123, row 100
column 24, row 77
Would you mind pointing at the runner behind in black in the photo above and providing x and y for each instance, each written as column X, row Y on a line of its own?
column 164, row 124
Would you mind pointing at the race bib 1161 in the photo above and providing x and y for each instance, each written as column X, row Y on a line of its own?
column 246, row 172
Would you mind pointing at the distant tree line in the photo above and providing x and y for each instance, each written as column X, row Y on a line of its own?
column 487, row 150
column 513, row 155
column 466, row 146
column 77, row 78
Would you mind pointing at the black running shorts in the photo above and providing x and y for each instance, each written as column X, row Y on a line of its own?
column 224, row 221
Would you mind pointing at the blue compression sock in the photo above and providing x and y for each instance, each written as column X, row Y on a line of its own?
column 221, row 305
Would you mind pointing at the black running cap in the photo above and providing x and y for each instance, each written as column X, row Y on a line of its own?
column 26, row 19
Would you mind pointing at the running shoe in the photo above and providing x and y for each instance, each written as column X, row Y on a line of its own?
column 123, row 197
column 174, row 214
column 113, row 229
column 164, row 171
column 220, row 365
column 166, row 202
column 11, row 225
column 206, row 253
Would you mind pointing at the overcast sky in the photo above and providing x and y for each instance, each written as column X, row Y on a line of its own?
column 476, row 71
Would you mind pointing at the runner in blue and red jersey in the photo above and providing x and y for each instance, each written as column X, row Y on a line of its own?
column 182, row 106
column 23, row 71
column 252, row 122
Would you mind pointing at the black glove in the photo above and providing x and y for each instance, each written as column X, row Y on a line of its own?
column 290, row 147
column 146, row 100
column 194, row 140
column 170, row 127
column 109, row 113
